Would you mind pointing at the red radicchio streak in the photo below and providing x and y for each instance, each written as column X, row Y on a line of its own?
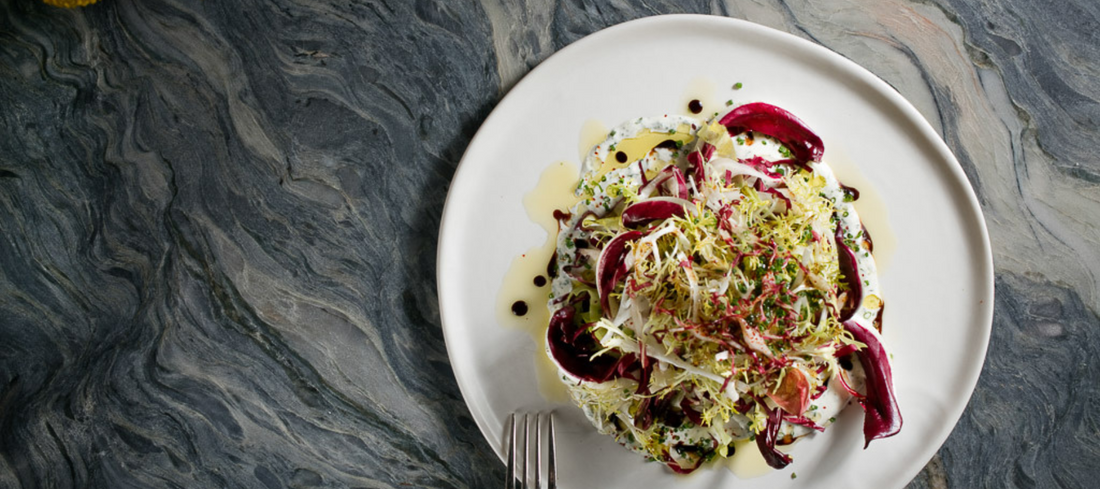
column 653, row 408
column 764, row 166
column 669, row 181
column 572, row 347
column 765, row 441
column 845, row 351
column 847, row 261
column 882, row 417
column 689, row 411
column 803, row 421
column 843, row 378
column 760, row 187
column 677, row 186
column 626, row 368
column 611, row 267
column 697, row 159
column 654, row 183
column 655, row 209
column 646, row 370
column 773, row 121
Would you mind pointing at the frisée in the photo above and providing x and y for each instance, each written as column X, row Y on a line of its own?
column 713, row 285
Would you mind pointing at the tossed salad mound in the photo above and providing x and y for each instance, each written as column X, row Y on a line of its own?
column 714, row 285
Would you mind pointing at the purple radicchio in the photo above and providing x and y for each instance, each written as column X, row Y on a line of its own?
column 669, row 181
column 697, row 159
column 778, row 195
column 677, row 186
column 654, row 209
column 572, row 346
column 764, row 166
column 805, row 146
column 849, row 268
column 765, row 441
column 882, row 417
column 611, row 267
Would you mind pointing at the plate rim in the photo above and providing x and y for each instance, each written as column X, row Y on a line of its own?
column 984, row 270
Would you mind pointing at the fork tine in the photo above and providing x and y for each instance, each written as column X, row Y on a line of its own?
column 538, row 449
column 526, row 444
column 510, row 482
column 551, row 470
column 525, row 469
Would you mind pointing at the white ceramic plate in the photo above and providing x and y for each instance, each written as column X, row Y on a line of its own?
column 938, row 288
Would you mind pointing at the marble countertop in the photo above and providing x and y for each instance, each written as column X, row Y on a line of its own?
column 219, row 224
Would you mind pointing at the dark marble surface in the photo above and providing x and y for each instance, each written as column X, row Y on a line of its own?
column 217, row 257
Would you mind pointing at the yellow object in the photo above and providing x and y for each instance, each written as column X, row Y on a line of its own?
column 872, row 302
column 69, row 3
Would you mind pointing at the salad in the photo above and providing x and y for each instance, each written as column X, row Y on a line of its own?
column 715, row 285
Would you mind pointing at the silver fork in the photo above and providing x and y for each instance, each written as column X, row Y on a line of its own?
column 530, row 469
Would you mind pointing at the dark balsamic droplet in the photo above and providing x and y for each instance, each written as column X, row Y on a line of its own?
column 695, row 106
column 540, row 281
column 844, row 361
column 620, row 157
column 519, row 308
column 552, row 266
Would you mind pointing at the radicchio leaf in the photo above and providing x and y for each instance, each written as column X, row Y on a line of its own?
column 725, row 168
column 653, row 408
column 697, row 159
column 882, row 417
column 778, row 123
column 804, row 422
column 765, row 441
column 760, row 187
column 649, row 210
column 689, row 411
column 845, row 351
column 676, row 186
column 764, row 166
column 669, row 181
column 611, row 267
column 572, row 347
column 849, row 268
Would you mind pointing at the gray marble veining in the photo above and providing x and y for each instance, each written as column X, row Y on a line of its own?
column 218, row 226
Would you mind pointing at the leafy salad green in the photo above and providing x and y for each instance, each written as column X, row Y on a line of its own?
column 715, row 286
